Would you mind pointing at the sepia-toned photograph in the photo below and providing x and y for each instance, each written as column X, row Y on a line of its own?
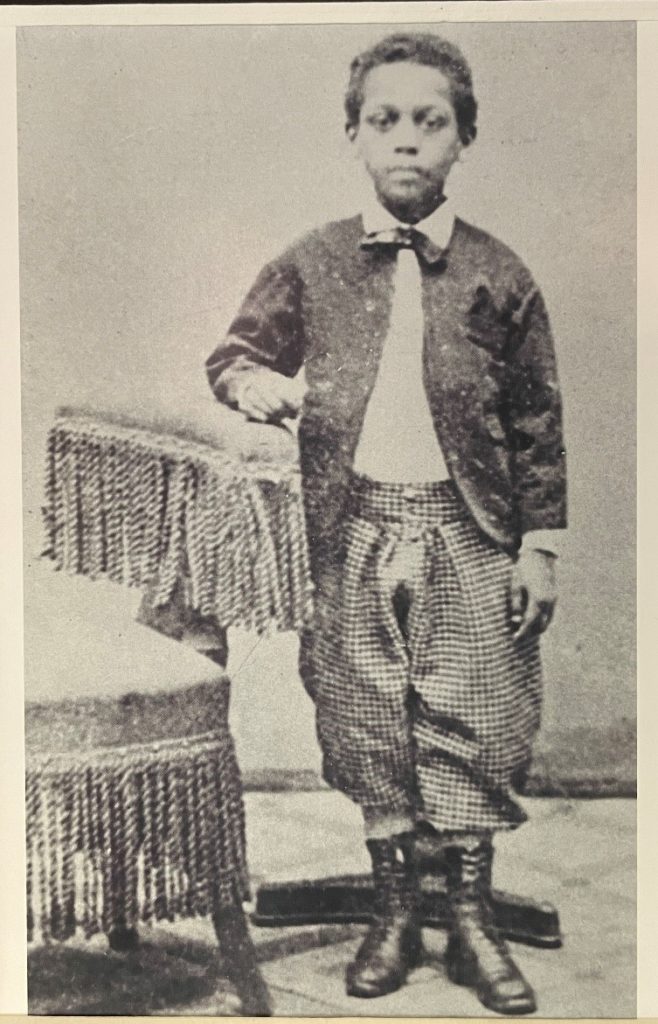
column 328, row 363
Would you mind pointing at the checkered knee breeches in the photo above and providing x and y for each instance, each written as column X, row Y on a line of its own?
column 425, row 701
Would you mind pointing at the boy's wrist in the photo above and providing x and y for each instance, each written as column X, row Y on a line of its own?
column 245, row 379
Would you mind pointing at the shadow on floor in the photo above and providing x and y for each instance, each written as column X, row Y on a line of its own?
column 164, row 973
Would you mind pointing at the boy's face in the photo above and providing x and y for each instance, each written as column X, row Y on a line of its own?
column 407, row 136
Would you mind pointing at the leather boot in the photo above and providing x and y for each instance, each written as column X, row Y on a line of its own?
column 477, row 955
column 393, row 944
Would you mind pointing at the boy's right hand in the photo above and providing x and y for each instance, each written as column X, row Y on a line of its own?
column 267, row 396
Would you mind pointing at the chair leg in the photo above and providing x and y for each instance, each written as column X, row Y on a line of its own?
column 239, row 956
column 123, row 939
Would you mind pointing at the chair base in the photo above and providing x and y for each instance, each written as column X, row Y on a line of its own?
column 348, row 899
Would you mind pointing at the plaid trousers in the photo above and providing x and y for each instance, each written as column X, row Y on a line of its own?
column 426, row 704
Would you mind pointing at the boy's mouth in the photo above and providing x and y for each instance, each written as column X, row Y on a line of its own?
column 408, row 170
column 405, row 174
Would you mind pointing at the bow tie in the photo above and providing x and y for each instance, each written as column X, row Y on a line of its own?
column 405, row 238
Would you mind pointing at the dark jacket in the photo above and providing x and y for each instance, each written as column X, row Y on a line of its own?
column 489, row 372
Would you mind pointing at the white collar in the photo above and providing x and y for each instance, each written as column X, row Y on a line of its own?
column 438, row 226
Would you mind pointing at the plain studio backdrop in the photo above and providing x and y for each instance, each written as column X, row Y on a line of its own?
column 161, row 167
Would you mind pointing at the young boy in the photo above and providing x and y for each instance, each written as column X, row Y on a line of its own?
column 433, row 470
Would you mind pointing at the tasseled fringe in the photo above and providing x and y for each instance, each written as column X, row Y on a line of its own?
column 146, row 833
column 136, row 506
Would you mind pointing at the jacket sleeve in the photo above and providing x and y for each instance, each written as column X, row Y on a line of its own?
column 266, row 333
column 534, row 419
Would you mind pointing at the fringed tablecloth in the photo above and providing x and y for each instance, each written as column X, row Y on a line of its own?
column 134, row 810
column 145, row 508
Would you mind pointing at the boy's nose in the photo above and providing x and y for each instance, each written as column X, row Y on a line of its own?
column 406, row 138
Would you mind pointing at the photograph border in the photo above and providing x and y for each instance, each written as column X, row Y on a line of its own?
column 13, row 987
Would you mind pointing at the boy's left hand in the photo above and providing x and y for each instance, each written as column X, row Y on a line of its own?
column 533, row 593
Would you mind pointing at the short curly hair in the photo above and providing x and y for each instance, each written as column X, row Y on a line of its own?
column 419, row 48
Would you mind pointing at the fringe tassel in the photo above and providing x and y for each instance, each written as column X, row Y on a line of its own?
column 134, row 505
column 146, row 833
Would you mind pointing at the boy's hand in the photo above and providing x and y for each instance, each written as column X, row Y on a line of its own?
column 268, row 396
column 533, row 593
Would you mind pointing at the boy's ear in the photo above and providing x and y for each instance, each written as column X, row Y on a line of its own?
column 351, row 130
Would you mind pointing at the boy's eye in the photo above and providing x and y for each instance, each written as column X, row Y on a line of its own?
column 382, row 120
column 433, row 122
